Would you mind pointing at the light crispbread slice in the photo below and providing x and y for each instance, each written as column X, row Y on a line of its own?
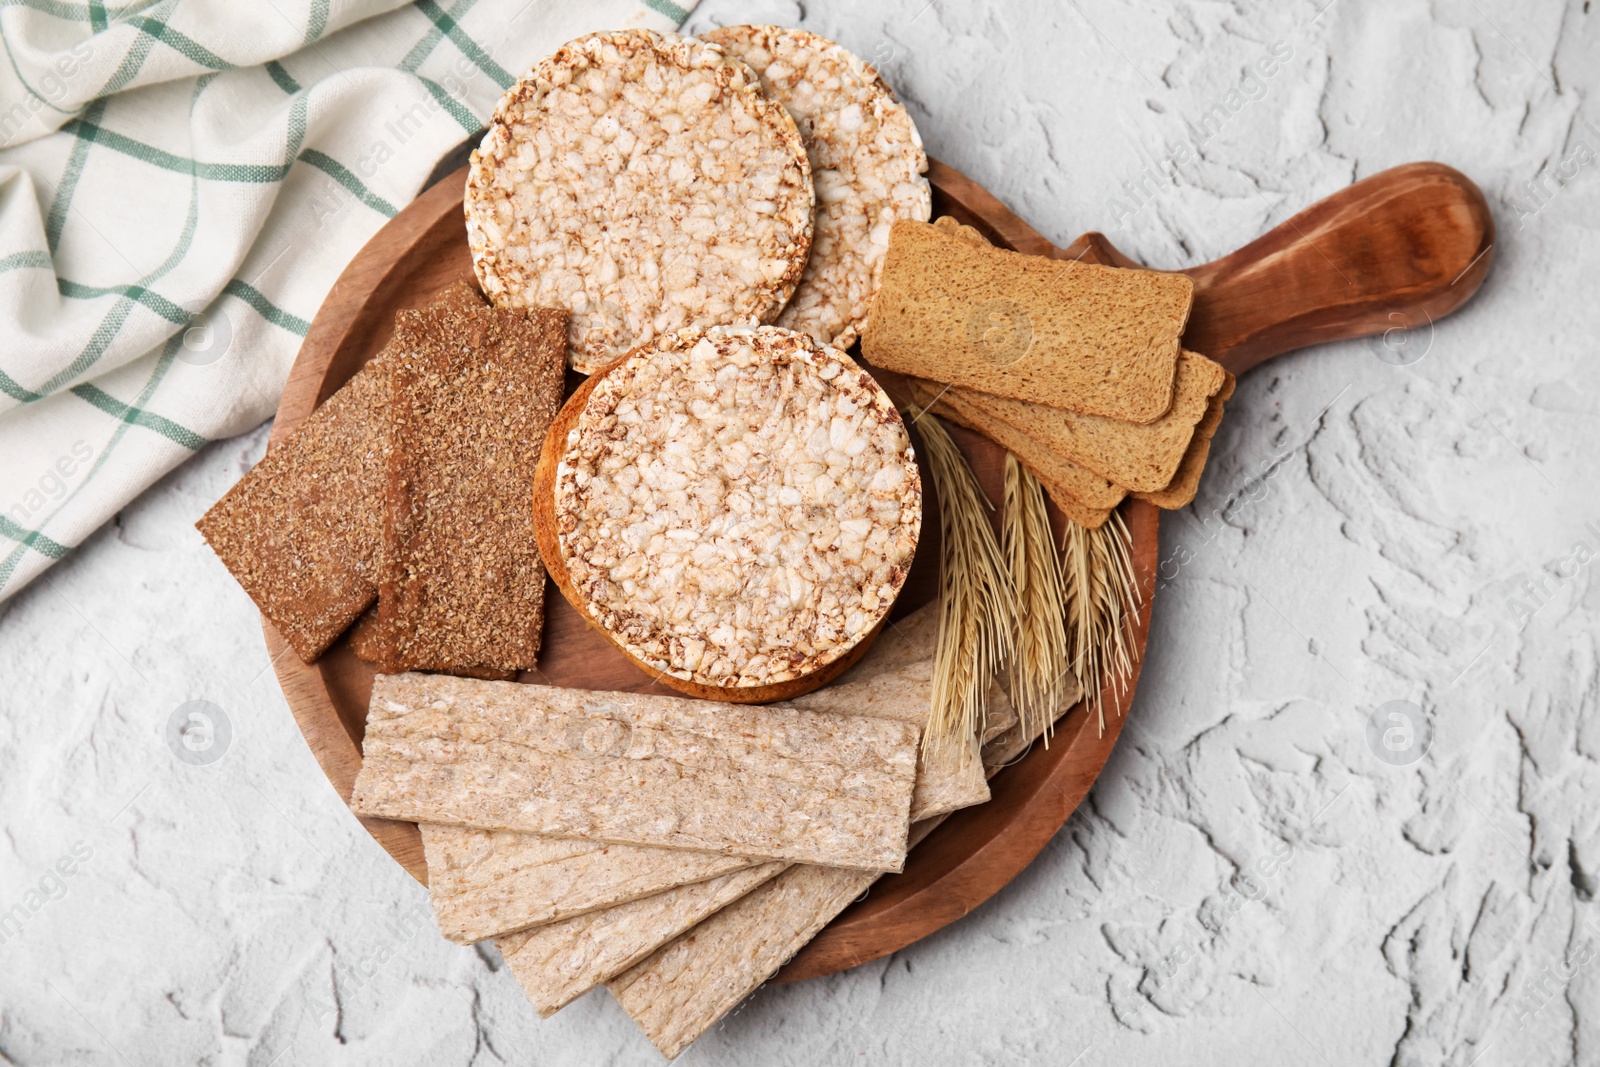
column 1086, row 487
column 1186, row 482
column 762, row 782
column 950, row 780
column 487, row 882
column 496, row 894
column 910, row 640
column 558, row 962
column 682, row 989
column 1136, row 457
column 302, row 532
column 1099, row 340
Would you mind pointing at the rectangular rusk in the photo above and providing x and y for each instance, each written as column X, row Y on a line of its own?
column 1100, row 340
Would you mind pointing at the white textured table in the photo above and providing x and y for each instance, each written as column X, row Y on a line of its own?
column 1248, row 880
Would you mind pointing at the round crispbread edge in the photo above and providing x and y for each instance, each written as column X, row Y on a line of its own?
column 686, row 53
column 890, row 112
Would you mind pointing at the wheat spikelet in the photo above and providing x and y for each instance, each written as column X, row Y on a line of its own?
column 1102, row 608
column 975, row 597
column 1041, row 664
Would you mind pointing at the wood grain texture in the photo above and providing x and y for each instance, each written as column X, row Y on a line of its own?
column 1413, row 242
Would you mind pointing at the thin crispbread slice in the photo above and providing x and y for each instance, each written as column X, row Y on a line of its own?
column 910, row 640
column 559, row 962
column 1186, row 482
column 762, row 782
column 945, row 782
column 1086, row 487
column 472, row 394
column 1000, row 751
column 682, row 989
column 302, row 531
column 371, row 645
column 485, row 882
column 1099, row 340
column 488, row 882
column 1136, row 457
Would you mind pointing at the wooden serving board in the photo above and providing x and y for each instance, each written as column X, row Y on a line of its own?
column 1400, row 248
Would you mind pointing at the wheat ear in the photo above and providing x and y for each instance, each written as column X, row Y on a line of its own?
column 975, row 598
column 1041, row 665
column 1102, row 608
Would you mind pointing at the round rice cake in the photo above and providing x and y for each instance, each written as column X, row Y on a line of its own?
column 867, row 164
column 737, row 506
column 643, row 182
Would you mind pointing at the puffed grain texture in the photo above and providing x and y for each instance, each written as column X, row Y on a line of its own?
column 762, row 782
column 736, row 508
column 1098, row 340
column 867, row 165
column 645, row 183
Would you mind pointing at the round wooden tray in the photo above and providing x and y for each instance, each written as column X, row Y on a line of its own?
column 1269, row 297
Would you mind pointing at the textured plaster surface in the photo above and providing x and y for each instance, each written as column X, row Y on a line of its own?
column 1247, row 881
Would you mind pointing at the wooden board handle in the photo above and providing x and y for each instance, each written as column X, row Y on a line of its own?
column 1400, row 249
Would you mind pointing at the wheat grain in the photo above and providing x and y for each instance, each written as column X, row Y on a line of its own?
column 1102, row 608
column 1041, row 665
column 976, row 604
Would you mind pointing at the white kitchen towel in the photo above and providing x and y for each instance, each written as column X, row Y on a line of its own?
column 181, row 182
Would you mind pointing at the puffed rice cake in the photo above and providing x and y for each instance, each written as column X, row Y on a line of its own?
column 736, row 507
column 867, row 164
column 643, row 182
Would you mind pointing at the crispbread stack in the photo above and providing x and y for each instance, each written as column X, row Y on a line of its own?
column 1002, row 354
column 303, row 531
column 1096, row 339
column 684, row 987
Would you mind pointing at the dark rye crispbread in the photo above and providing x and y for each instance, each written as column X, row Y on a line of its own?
column 301, row 532
column 473, row 392
column 1093, row 339
column 1186, row 482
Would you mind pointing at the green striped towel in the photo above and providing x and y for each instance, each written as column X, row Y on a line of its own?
column 181, row 182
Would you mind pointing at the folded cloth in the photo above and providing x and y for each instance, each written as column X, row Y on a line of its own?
column 181, row 182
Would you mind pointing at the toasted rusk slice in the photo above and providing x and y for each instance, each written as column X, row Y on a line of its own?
column 1088, row 338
